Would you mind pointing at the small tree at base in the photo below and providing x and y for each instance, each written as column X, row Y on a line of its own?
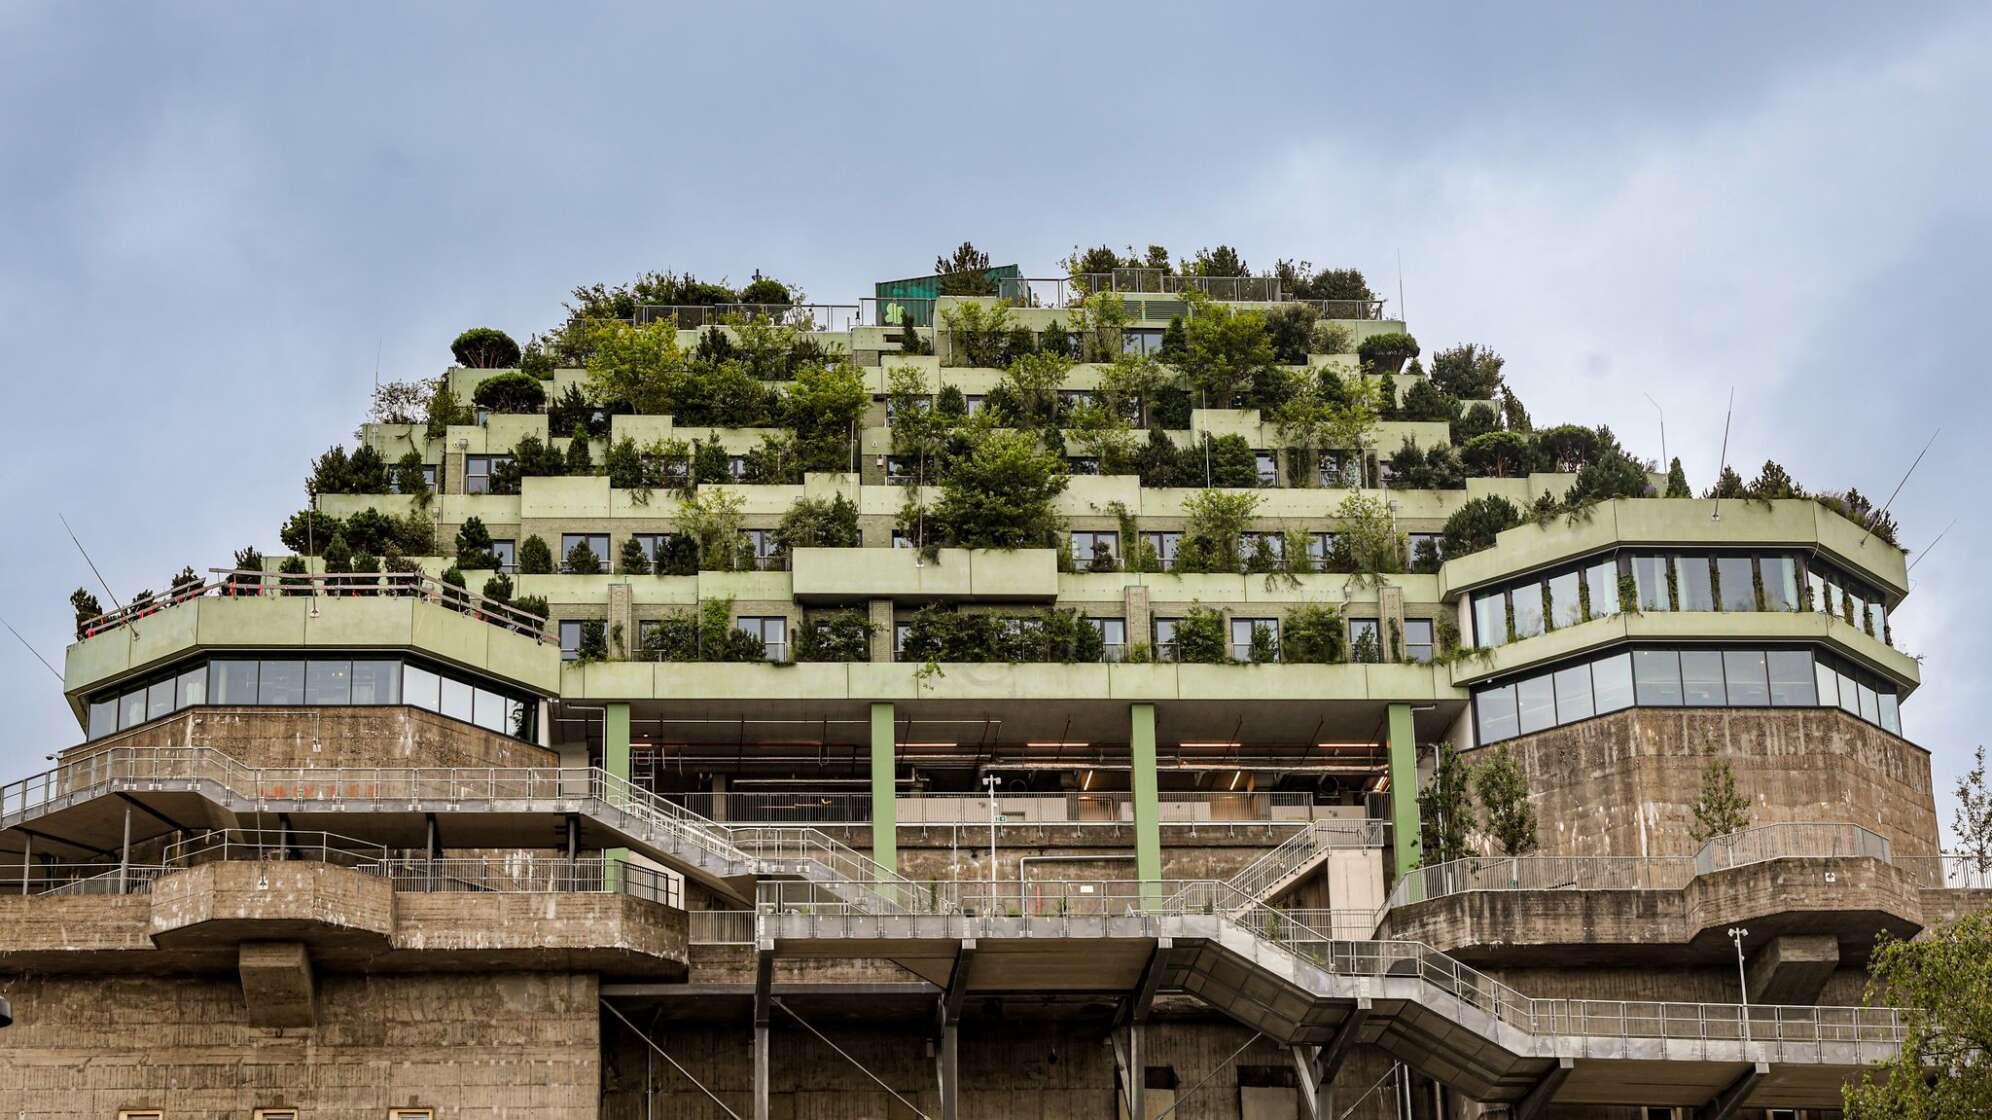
column 1504, row 796
column 1973, row 820
column 1941, row 1072
column 1445, row 810
column 1720, row 810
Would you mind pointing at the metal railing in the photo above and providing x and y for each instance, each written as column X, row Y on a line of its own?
column 1950, row 871
column 720, row 927
column 1787, row 840
column 1155, row 281
column 801, row 316
column 588, row 875
column 229, row 583
column 71, row 879
column 271, row 844
column 842, row 807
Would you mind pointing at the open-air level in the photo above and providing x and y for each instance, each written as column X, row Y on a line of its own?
column 1186, row 668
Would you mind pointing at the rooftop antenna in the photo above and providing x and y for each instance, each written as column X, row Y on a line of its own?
column 1931, row 545
column 93, row 565
column 377, row 347
column 1663, row 429
column 1883, row 512
column 29, row 648
column 1400, row 284
column 1716, row 513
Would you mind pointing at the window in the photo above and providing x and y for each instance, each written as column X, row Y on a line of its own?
column 1890, row 714
column 507, row 553
column 773, row 632
column 1268, row 466
column 1535, row 703
column 1244, row 630
column 1573, row 694
column 902, row 470
column 1494, row 708
column 1694, row 583
column 1822, row 592
column 1601, row 585
column 1701, row 679
column 1165, row 638
column 276, row 1114
column 1490, row 619
column 900, row 539
column 1656, row 677
column 1141, row 340
column 1424, row 548
column 103, row 718
column 1527, row 602
column 140, row 1114
column 1877, row 622
column 1739, row 582
column 1365, row 640
column 459, row 699
column 487, row 710
column 598, row 543
column 762, row 546
column 1095, row 550
column 1418, row 639
column 411, row 1114
column 1611, row 683
column 376, row 682
column 421, row 688
column 1336, row 469
column 1274, row 545
column 974, row 402
column 1792, row 683
column 477, row 471
column 1113, row 637
column 899, row 632
column 1649, row 577
column 282, row 683
column 1744, row 674
column 328, row 682
column 1780, row 579
column 159, row 699
column 1565, row 609
column 1320, row 546
column 570, row 639
column 1165, row 546
column 1083, row 464
column 131, row 709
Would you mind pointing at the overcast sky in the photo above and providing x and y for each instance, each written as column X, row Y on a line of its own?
column 213, row 217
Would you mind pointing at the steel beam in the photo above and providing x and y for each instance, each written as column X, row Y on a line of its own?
column 155, row 814
column 1318, row 1065
column 764, row 975
column 951, row 1002
column 884, row 788
column 1727, row 1103
column 1538, row 1098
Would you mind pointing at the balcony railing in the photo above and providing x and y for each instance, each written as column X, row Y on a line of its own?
column 801, row 316
column 229, row 583
column 1790, row 839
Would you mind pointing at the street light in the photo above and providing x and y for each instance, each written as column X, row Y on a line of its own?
column 990, row 780
column 1663, row 425
column 1737, row 934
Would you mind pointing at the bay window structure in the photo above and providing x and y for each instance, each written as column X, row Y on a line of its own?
column 315, row 680
column 1682, row 677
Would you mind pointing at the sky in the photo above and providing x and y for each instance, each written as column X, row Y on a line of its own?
column 217, row 221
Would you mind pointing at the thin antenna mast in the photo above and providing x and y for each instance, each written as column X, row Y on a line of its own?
column 1400, row 284
column 86, row 559
column 377, row 347
column 1927, row 548
column 29, row 648
column 1883, row 512
column 1716, row 514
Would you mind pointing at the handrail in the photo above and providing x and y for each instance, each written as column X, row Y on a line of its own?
column 230, row 583
column 1262, row 874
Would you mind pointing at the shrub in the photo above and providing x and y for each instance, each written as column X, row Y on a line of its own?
column 308, row 531
column 1499, row 455
column 580, row 460
column 817, row 523
column 1473, row 526
column 1473, row 423
column 535, row 558
column 1426, row 401
column 499, row 587
column 473, row 546
column 536, row 360
column 532, row 604
column 510, row 392
column 632, row 561
column 1313, row 635
column 581, row 560
column 840, row 635
column 486, row 348
column 1214, row 522
column 1387, row 352
column 1200, row 637
column 408, row 476
column 1000, row 495
column 1468, row 372
column 445, row 409
column 1232, row 462
column 87, row 609
column 594, row 644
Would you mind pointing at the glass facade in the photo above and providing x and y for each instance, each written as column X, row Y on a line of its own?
column 1698, row 677
column 321, row 680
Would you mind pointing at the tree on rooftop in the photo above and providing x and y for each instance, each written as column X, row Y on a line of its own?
column 641, row 367
column 1002, row 494
column 1299, row 280
column 510, row 392
column 473, row 546
column 400, row 402
column 445, row 409
column 535, row 558
column 87, row 609
column 1943, row 1070
column 964, row 272
column 768, row 290
column 1221, row 261
column 1677, row 480
column 1224, row 350
column 1468, row 371
column 1445, row 810
column 1504, row 796
column 1728, row 484
column 1774, row 482
column 1499, row 455
column 1473, row 526
column 486, row 348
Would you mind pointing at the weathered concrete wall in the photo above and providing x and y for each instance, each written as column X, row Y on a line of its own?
column 330, row 737
column 487, row 1046
column 1624, row 784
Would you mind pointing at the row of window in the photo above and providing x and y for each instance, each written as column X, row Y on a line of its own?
column 317, row 681
column 1086, row 545
column 1362, row 633
column 771, row 629
column 1671, row 581
column 1675, row 678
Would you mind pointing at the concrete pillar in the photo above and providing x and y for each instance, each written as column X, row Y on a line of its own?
column 884, row 788
column 719, row 797
column 277, row 986
column 1389, row 611
column 615, row 760
column 760, row 1071
column 1147, row 812
column 1403, row 747
column 950, row 1075
column 453, row 468
column 1135, row 608
column 881, row 620
column 622, row 616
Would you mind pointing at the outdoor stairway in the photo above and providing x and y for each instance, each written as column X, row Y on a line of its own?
column 483, row 807
column 1275, row 872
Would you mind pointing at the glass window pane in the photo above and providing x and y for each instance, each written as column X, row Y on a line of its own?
column 328, row 682
column 421, row 688
column 1829, row 685
column 1858, row 605
column 1564, row 608
column 1418, row 639
column 376, row 682
column 1490, row 620
column 519, row 718
column 1868, row 711
column 1739, row 586
column 1535, row 702
column 1695, row 585
column 1573, row 694
column 1791, row 679
column 1850, row 694
column 282, row 682
column 159, row 699
column 1821, row 598
column 103, row 718
column 1780, row 577
column 1891, row 714
column 131, row 708
column 1701, row 678
column 1601, row 580
column 1528, row 610
column 1743, row 671
column 1877, row 619
column 1496, row 709
column 1611, row 683
column 232, row 682
column 1649, row 575
column 458, row 699
column 1657, row 677
column 192, row 687
column 488, row 709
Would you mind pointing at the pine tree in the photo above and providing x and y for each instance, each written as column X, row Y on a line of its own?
column 1720, row 810
column 633, row 562
column 1677, row 480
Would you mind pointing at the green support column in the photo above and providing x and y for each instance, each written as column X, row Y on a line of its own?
column 615, row 760
column 1403, row 789
column 885, row 789
column 1147, row 829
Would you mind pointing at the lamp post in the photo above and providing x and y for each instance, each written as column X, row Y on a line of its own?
column 991, row 780
column 1737, row 934
column 1663, row 425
